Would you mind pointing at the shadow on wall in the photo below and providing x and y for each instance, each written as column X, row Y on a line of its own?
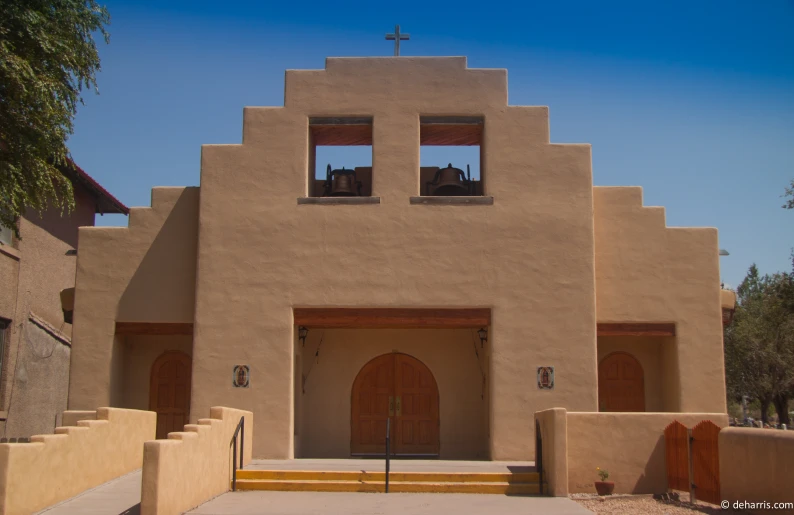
column 64, row 226
column 649, row 480
column 162, row 289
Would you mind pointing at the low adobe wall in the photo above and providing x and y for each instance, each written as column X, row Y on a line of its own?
column 755, row 466
column 71, row 418
column 552, row 426
column 630, row 446
column 53, row 468
column 193, row 466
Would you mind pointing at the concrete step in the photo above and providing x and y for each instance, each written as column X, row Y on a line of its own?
column 517, row 483
column 431, row 477
column 472, row 487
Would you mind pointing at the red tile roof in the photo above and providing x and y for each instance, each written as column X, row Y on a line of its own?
column 105, row 202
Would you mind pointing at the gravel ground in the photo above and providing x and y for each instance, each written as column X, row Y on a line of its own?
column 642, row 504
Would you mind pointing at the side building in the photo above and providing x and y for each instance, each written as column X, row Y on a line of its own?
column 37, row 274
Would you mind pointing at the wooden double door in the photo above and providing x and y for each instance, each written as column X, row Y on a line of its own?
column 400, row 388
column 621, row 384
column 169, row 392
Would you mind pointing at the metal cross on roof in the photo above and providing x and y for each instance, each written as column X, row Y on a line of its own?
column 397, row 37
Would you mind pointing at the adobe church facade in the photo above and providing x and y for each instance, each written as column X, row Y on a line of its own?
column 456, row 317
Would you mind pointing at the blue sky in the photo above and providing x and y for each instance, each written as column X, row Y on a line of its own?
column 693, row 101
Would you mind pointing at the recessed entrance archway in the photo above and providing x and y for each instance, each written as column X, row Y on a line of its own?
column 400, row 387
column 169, row 391
column 621, row 383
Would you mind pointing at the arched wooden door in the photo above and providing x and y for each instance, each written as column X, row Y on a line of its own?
column 621, row 383
column 169, row 391
column 402, row 388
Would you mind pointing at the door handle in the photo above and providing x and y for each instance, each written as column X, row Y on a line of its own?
column 391, row 406
column 399, row 406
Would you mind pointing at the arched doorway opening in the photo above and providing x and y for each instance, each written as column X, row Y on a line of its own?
column 621, row 383
column 169, row 391
column 400, row 387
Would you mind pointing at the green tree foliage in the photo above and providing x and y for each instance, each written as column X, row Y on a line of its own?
column 759, row 343
column 47, row 57
column 790, row 194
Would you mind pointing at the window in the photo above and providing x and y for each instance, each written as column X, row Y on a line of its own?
column 450, row 156
column 340, row 157
column 3, row 336
column 6, row 235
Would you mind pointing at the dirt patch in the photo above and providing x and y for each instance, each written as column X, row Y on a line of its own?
column 646, row 504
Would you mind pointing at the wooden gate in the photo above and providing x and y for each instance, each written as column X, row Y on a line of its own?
column 676, row 442
column 706, row 462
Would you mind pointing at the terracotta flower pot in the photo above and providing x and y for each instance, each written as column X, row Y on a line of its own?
column 605, row 487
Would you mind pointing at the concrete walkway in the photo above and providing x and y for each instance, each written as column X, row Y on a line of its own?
column 121, row 496
column 324, row 503
column 378, row 465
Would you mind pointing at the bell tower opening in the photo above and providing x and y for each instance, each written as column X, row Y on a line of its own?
column 450, row 156
column 340, row 157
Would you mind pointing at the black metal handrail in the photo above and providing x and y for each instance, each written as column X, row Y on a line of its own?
column 241, row 431
column 388, row 451
column 539, row 456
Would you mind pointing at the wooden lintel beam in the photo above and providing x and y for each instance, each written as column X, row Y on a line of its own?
column 451, row 120
column 341, row 135
column 450, row 135
column 154, row 328
column 392, row 318
column 331, row 120
column 636, row 329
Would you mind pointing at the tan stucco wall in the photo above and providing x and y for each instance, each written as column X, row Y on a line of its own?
column 194, row 466
column 144, row 272
column 138, row 355
column 671, row 386
column 55, row 467
column 529, row 256
column 553, row 429
column 648, row 351
column 45, row 267
column 448, row 353
column 648, row 272
column 628, row 445
column 727, row 299
column 756, row 465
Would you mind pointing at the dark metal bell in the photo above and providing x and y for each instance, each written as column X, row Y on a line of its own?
column 341, row 183
column 342, row 186
column 450, row 182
